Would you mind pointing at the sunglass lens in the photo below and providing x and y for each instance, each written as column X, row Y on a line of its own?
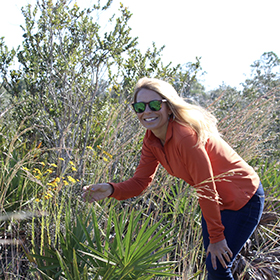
column 139, row 107
column 155, row 105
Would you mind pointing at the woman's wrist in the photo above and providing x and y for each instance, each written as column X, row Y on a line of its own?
column 112, row 189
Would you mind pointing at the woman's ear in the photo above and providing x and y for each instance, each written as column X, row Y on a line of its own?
column 171, row 116
column 169, row 111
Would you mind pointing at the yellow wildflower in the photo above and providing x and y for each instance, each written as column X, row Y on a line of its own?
column 53, row 165
column 25, row 168
column 74, row 169
column 57, row 179
column 71, row 162
column 36, row 170
column 61, row 159
column 89, row 147
column 37, row 199
column 50, row 171
column 53, row 184
column 107, row 154
column 105, row 159
column 42, row 163
column 71, row 179
column 65, row 183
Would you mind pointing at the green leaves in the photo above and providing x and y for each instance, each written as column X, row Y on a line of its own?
column 125, row 246
column 64, row 57
column 62, row 260
column 134, row 251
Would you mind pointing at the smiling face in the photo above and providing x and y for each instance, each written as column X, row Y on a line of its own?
column 156, row 121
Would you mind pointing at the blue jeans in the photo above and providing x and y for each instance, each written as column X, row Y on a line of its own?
column 239, row 226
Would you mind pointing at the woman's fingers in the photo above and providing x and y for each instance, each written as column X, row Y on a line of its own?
column 87, row 194
column 221, row 251
column 227, row 254
column 97, row 192
column 213, row 260
column 222, row 261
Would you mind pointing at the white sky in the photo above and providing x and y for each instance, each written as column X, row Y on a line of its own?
column 228, row 35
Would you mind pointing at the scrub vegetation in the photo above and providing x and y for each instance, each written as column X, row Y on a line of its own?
column 66, row 122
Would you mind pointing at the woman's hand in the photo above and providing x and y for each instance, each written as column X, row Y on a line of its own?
column 96, row 192
column 221, row 251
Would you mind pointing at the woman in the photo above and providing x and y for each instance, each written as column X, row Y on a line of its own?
column 185, row 140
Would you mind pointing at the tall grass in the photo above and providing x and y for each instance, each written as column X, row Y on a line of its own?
column 247, row 125
column 64, row 238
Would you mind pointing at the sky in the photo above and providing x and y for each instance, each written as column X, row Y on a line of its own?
column 228, row 35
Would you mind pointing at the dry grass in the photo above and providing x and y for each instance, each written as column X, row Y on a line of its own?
column 116, row 159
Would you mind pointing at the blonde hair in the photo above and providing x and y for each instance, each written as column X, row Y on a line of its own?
column 202, row 121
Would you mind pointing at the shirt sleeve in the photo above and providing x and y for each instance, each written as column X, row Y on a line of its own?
column 141, row 179
column 198, row 164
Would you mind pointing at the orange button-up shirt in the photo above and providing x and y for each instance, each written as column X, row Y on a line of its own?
column 222, row 179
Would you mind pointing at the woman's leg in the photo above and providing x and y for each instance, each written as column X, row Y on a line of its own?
column 239, row 226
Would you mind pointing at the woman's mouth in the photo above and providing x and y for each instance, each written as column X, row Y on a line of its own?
column 150, row 119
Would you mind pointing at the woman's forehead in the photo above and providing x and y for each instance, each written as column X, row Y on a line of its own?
column 147, row 95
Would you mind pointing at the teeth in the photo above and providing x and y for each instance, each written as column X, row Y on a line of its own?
column 149, row 120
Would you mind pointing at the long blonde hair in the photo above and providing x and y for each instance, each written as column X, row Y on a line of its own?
column 202, row 121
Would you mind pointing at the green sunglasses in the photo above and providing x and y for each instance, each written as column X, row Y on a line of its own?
column 154, row 105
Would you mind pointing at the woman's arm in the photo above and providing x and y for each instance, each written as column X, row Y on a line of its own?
column 134, row 186
column 199, row 166
column 141, row 179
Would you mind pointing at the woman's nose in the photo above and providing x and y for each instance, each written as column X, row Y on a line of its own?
column 147, row 108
